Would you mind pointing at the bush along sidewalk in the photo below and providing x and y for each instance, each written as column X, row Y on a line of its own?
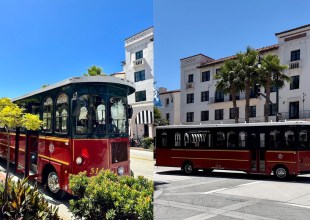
column 109, row 196
column 147, row 143
column 25, row 202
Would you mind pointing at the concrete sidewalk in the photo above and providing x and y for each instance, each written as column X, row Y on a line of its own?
column 63, row 211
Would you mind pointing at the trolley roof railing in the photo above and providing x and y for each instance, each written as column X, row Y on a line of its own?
column 82, row 79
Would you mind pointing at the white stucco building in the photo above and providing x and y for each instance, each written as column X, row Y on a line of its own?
column 200, row 103
column 170, row 109
column 139, row 68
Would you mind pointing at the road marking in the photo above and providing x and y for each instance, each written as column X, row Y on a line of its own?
column 244, row 216
column 246, row 184
column 216, row 190
column 210, row 212
column 194, row 184
column 296, row 205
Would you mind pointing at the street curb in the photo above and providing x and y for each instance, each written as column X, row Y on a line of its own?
column 158, row 193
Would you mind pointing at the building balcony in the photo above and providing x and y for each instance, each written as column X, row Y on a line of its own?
column 295, row 115
column 228, row 98
column 138, row 63
column 190, row 85
column 295, row 64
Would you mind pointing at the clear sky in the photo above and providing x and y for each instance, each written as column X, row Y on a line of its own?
column 43, row 42
column 217, row 29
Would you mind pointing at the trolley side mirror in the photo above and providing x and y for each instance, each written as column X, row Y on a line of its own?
column 129, row 112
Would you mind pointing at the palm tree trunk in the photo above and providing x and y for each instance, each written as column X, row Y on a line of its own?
column 233, row 93
column 266, row 107
column 247, row 100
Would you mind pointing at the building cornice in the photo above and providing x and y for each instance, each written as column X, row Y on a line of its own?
column 293, row 29
column 221, row 60
column 172, row 91
column 138, row 36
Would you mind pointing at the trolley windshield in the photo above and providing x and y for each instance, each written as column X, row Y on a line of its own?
column 100, row 116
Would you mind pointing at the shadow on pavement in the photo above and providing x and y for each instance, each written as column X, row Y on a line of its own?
column 238, row 175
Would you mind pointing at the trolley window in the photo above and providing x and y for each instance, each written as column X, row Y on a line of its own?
column 62, row 106
column 48, row 115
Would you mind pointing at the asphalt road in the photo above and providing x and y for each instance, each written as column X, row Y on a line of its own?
column 224, row 195
column 142, row 163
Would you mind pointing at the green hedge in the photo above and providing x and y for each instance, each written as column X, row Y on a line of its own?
column 108, row 196
column 147, row 143
column 25, row 202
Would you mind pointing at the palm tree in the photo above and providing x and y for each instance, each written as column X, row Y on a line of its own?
column 94, row 71
column 271, row 74
column 247, row 68
column 230, row 83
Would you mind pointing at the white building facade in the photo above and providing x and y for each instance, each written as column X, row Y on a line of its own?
column 139, row 68
column 170, row 109
column 201, row 103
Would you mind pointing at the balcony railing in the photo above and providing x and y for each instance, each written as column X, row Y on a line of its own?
column 189, row 85
column 296, row 115
column 138, row 62
column 295, row 64
column 219, row 99
column 227, row 98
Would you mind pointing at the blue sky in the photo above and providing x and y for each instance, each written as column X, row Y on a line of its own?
column 43, row 42
column 217, row 29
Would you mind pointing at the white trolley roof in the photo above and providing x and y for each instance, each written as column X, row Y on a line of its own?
column 82, row 79
column 236, row 125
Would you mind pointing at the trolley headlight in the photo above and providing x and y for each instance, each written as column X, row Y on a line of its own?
column 120, row 171
column 79, row 160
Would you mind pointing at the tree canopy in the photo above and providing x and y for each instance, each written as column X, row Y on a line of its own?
column 158, row 120
column 94, row 71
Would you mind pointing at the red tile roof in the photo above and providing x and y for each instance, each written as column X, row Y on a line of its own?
column 221, row 60
column 307, row 25
column 172, row 91
column 197, row 55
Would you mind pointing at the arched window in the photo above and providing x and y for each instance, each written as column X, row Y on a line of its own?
column 242, row 139
column 186, row 139
column 220, row 140
column 232, row 139
column 48, row 115
column 177, row 138
column 62, row 107
column 164, row 139
column 274, row 138
column 100, row 114
column 303, row 139
column 289, row 139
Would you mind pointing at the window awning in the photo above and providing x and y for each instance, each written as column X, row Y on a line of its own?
column 144, row 117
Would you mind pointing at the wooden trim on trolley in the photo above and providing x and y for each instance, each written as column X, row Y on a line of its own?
column 53, row 159
column 245, row 151
column 281, row 152
column 54, row 139
column 271, row 161
column 192, row 158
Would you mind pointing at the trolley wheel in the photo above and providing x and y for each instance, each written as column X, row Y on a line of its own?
column 281, row 172
column 53, row 188
column 188, row 168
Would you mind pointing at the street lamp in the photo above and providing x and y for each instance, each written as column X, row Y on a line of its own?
column 259, row 64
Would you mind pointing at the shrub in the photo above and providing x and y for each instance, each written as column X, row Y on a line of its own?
column 147, row 143
column 25, row 202
column 108, row 196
